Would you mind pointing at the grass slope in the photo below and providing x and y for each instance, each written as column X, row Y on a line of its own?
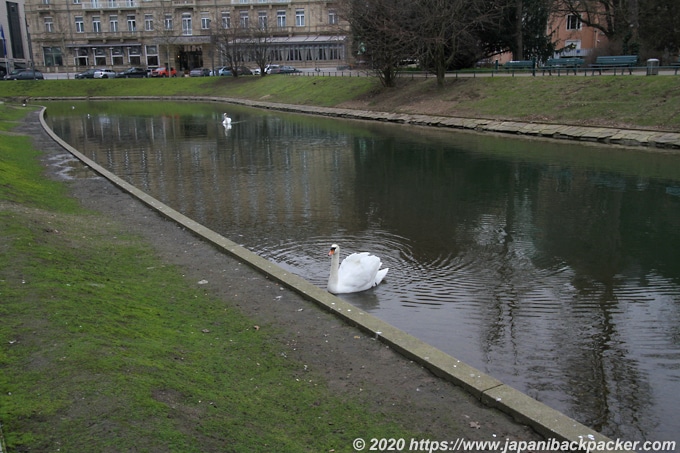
column 104, row 348
column 628, row 101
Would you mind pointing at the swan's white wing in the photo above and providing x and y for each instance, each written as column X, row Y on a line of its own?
column 380, row 275
column 358, row 272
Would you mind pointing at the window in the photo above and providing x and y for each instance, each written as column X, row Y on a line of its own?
column 244, row 19
column 167, row 22
column 76, row 2
column 130, row 3
column 332, row 17
column 49, row 25
column 96, row 24
column 572, row 45
column 117, row 55
column 573, row 22
column 151, row 56
column 45, row 2
column 299, row 17
column 262, row 19
column 281, row 18
column 135, row 55
column 205, row 21
column 131, row 22
column 148, row 22
column 113, row 23
column 186, row 24
column 82, row 58
column 80, row 26
column 99, row 56
column 53, row 56
column 226, row 20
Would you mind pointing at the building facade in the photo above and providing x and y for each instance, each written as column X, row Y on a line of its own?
column 573, row 38
column 14, row 39
column 72, row 35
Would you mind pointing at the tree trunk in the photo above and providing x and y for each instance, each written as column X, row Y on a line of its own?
column 518, row 51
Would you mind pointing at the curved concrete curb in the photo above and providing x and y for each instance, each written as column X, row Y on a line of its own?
column 546, row 421
column 602, row 135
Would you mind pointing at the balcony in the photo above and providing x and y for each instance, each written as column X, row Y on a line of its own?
column 110, row 4
column 259, row 2
column 180, row 3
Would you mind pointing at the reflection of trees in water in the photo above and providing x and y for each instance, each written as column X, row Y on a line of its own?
column 588, row 222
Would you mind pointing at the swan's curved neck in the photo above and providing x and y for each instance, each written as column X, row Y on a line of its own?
column 335, row 263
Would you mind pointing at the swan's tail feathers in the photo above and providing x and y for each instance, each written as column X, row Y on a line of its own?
column 380, row 275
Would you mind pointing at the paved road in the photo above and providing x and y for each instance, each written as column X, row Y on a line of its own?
column 332, row 71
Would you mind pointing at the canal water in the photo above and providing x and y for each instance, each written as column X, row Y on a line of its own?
column 554, row 267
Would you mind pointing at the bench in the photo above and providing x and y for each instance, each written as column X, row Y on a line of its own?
column 618, row 61
column 676, row 65
column 568, row 63
column 518, row 65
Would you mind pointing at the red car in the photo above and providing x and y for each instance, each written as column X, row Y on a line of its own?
column 163, row 72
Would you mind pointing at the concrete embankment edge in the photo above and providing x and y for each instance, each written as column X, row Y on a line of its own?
column 545, row 420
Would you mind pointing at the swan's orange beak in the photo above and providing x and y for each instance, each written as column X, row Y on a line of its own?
column 331, row 252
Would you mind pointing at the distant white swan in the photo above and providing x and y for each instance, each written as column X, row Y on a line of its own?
column 358, row 272
column 226, row 121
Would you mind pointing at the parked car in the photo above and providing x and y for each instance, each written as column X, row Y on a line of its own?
column 104, row 73
column 226, row 71
column 199, row 72
column 163, row 72
column 287, row 70
column 257, row 71
column 24, row 74
column 222, row 71
column 271, row 67
column 277, row 69
column 86, row 74
column 132, row 72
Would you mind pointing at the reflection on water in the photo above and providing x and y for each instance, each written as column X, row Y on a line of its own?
column 553, row 267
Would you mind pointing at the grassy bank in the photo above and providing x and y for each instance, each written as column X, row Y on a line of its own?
column 105, row 348
column 621, row 101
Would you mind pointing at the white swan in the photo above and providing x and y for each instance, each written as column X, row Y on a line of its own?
column 358, row 272
column 226, row 121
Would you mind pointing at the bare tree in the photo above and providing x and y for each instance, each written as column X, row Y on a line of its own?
column 166, row 33
column 517, row 26
column 444, row 27
column 62, row 34
column 381, row 33
column 233, row 45
column 658, row 26
column 260, row 46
